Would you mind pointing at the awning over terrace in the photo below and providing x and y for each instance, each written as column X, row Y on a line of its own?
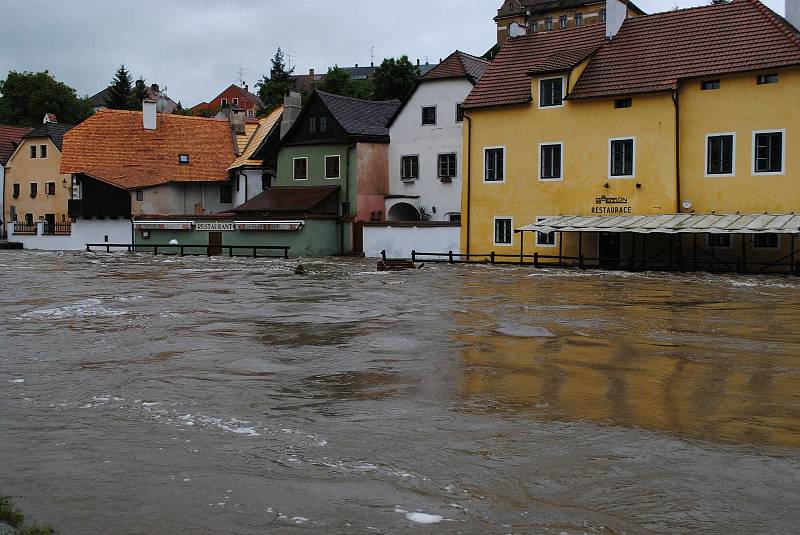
column 672, row 224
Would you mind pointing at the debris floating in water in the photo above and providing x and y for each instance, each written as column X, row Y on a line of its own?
column 424, row 518
column 524, row 331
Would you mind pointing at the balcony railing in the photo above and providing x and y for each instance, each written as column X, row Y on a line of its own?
column 24, row 228
column 58, row 229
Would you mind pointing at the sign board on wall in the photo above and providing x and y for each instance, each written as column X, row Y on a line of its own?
column 215, row 227
column 611, row 206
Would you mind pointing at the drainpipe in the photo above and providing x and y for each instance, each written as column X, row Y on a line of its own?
column 350, row 147
column 677, row 102
column 469, row 177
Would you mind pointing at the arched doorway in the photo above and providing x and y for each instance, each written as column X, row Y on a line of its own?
column 403, row 212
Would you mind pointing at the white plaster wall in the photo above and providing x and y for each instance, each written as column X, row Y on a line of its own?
column 83, row 232
column 409, row 137
column 249, row 186
column 398, row 242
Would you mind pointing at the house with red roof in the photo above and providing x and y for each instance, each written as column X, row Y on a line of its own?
column 668, row 140
column 233, row 97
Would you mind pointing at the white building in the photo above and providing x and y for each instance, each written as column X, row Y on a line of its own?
column 426, row 140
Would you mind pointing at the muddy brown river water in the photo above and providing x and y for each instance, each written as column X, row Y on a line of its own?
column 143, row 395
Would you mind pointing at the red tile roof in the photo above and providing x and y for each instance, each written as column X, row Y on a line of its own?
column 458, row 65
column 653, row 53
column 10, row 136
column 506, row 80
column 650, row 53
column 114, row 147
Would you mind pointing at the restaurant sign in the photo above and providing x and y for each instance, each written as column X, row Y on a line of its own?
column 611, row 206
column 215, row 227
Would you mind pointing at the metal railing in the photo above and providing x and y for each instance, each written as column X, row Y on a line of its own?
column 254, row 251
column 57, row 229
column 536, row 260
column 25, row 228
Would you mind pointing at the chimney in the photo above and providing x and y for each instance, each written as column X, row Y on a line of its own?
column 246, row 88
column 515, row 29
column 149, row 114
column 154, row 87
column 236, row 119
column 793, row 13
column 49, row 118
column 616, row 13
column 311, row 72
column 292, row 104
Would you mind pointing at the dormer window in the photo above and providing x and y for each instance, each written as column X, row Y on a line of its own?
column 578, row 19
column 183, row 159
column 602, row 15
column 551, row 92
column 548, row 24
column 562, row 22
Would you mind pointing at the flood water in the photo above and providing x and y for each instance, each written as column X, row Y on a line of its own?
column 145, row 395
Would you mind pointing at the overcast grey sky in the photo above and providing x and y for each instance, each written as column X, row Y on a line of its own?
column 196, row 47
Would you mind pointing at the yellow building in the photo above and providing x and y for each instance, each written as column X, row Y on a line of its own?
column 533, row 16
column 692, row 116
column 35, row 190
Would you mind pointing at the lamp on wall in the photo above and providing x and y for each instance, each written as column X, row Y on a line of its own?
column 64, row 182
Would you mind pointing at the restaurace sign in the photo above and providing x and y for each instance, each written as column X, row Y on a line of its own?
column 215, row 227
column 611, row 206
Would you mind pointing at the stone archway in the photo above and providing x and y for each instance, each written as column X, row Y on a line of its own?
column 403, row 212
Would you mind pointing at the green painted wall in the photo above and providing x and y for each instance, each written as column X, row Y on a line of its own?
column 319, row 237
column 316, row 168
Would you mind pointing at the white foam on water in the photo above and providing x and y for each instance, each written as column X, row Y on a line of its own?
column 17, row 381
column 86, row 308
column 299, row 519
column 424, row 518
column 523, row 331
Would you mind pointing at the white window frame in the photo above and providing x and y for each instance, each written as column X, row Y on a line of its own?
column 733, row 167
column 46, row 151
column 294, row 169
column 223, row 102
column 494, row 231
column 555, row 235
column 338, row 157
column 563, row 92
column 46, row 187
column 235, row 101
column 753, row 243
column 250, row 113
column 718, row 247
column 782, row 131
column 561, row 172
column 422, row 115
column 610, row 154
column 505, row 165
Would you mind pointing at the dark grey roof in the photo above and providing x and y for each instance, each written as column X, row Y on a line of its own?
column 360, row 117
column 54, row 131
column 98, row 100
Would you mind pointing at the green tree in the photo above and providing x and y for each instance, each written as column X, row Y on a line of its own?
column 180, row 110
column 272, row 88
column 120, row 94
column 26, row 96
column 339, row 82
column 394, row 79
column 139, row 93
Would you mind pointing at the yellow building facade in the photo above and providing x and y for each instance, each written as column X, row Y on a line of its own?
column 709, row 144
column 34, row 189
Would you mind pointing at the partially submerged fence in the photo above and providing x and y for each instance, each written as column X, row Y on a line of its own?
column 254, row 251
column 786, row 264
